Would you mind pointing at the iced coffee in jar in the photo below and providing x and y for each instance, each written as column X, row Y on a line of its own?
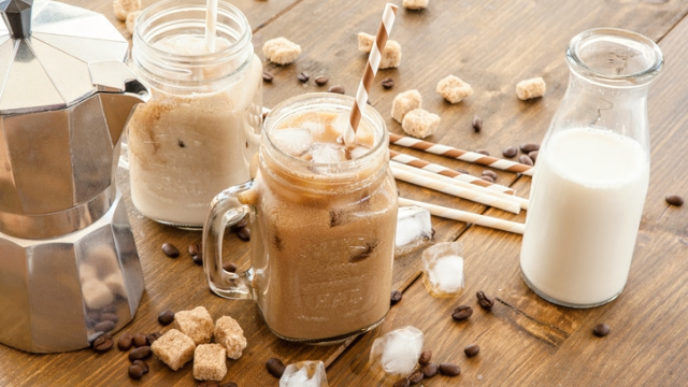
column 199, row 133
column 323, row 220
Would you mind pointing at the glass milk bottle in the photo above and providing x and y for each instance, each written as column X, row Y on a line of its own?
column 199, row 132
column 592, row 172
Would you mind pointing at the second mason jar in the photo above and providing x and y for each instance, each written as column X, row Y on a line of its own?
column 199, row 133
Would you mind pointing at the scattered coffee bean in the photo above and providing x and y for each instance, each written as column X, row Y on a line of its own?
column 104, row 326
column 488, row 178
column 267, row 77
column 388, row 83
column 601, row 330
column 102, row 343
column 524, row 159
column 338, row 89
column 197, row 259
column 275, row 367
column 321, row 80
column 462, row 312
column 151, row 337
column 430, row 370
column 166, row 317
column 527, row 148
column 125, row 341
column 533, row 156
column 395, row 297
column 230, row 267
column 244, row 234
column 425, row 357
column 303, row 77
column 170, row 250
column 484, row 301
column 510, row 152
column 140, row 353
column 416, row 377
column 449, row 369
column 139, row 340
column 471, row 350
column 483, row 152
column 674, row 200
column 405, row 382
column 142, row 364
column 194, row 249
column 490, row 173
column 136, row 371
column 477, row 124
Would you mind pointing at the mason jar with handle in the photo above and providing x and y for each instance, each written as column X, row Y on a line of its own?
column 592, row 172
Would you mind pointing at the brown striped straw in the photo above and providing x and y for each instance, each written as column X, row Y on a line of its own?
column 460, row 154
column 371, row 69
column 442, row 170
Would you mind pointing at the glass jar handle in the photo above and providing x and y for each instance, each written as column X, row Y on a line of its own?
column 225, row 210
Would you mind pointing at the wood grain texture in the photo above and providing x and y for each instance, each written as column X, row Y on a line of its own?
column 525, row 340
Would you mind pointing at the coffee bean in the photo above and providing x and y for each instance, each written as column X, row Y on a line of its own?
column 125, row 341
column 674, row 200
column 110, row 317
column 449, row 369
column 140, row 353
column 395, row 297
column 244, row 234
column 151, row 337
column 267, row 77
column 484, row 301
column 510, row 152
column 488, row 178
column 170, row 250
column 527, row 148
column 533, row 156
column 425, row 357
column 197, row 259
column 230, row 267
column 338, row 89
column 430, row 370
column 490, row 173
column 416, row 377
column 405, row 382
column 483, row 152
column 275, row 367
column 601, row 330
column 139, row 340
column 321, row 80
column 142, row 364
column 387, row 83
column 462, row 312
column 166, row 317
column 194, row 249
column 471, row 350
column 524, row 159
column 303, row 77
column 136, row 371
column 477, row 124
column 102, row 343
column 104, row 326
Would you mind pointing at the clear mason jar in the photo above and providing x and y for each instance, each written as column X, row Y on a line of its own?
column 592, row 172
column 199, row 132
column 322, row 242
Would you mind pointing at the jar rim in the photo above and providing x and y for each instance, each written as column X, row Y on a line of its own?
column 620, row 37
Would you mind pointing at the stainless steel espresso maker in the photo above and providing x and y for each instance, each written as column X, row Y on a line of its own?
column 69, row 269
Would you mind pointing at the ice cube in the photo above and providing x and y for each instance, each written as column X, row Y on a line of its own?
column 304, row 374
column 443, row 269
column 358, row 151
column 397, row 352
column 294, row 141
column 327, row 153
column 414, row 228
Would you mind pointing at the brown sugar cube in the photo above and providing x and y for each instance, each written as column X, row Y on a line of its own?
column 281, row 50
column 195, row 323
column 415, row 5
column 453, row 89
column 210, row 362
column 405, row 102
column 420, row 123
column 531, row 88
column 122, row 8
column 174, row 349
column 391, row 54
column 229, row 334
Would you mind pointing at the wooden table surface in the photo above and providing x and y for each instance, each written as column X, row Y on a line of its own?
column 524, row 340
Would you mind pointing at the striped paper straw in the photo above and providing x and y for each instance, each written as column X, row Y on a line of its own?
column 371, row 69
column 442, row 170
column 460, row 154
column 467, row 217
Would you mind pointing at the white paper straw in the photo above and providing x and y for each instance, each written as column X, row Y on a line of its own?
column 211, row 25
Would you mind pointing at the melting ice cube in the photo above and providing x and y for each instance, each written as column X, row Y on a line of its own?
column 414, row 228
column 443, row 269
column 397, row 352
column 327, row 153
column 293, row 141
column 358, row 152
column 304, row 374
